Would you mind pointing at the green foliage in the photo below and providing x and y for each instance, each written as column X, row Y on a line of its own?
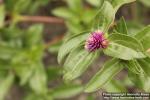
column 145, row 2
column 134, row 66
column 22, row 49
column 75, row 19
column 81, row 59
column 32, row 96
column 33, row 36
column 5, row 85
column 53, row 72
column 73, row 43
column 21, row 55
column 63, row 12
column 66, row 91
column 140, row 81
column 124, row 47
column 70, row 44
column 38, row 77
column 110, row 69
column 31, row 5
column 2, row 14
column 114, row 86
column 143, row 36
column 127, row 49
column 96, row 3
column 104, row 18
column 121, row 26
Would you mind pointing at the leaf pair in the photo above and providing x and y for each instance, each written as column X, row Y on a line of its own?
column 77, row 63
column 78, row 59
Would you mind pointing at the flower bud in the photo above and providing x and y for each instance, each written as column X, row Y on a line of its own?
column 96, row 41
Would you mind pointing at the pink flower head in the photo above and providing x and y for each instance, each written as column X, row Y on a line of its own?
column 96, row 41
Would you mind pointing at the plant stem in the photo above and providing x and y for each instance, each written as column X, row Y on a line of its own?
column 41, row 19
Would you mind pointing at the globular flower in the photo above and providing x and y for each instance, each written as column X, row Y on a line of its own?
column 96, row 41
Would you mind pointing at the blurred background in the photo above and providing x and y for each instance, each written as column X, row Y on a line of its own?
column 31, row 32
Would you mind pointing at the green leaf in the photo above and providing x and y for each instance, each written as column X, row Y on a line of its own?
column 74, row 27
column 53, row 72
column 118, row 3
column 70, row 44
column 32, row 96
column 25, row 64
column 145, row 65
column 122, row 52
column 4, row 66
column 24, row 72
column 96, row 3
column 103, row 19
column 143, row 33
column 11, row 34
column 73, row 57
column 126, row 41
column 91, row 97
column 136, row 79
column 109, row 70
column 54, row 47
column 144, row 37
column 24, row 3
column 146, row 86
column 77, row 63
column 14, row 6
column 7, row 51
column 124, row 47
column 2, row 14
column 63, row 12
column 121, row 26
column 27, row 6
column 134, row 66
column 140, row 81
column 33, row 35
column 106, row 15
column 66, row 91
column 34, row 6
column 5, row 85
column 114, row 86
column 145, row 2
column 22, row 66
column 134, row 27
column 75, row 5
column 88, row 16
column 9, row 5
column 38, row 81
